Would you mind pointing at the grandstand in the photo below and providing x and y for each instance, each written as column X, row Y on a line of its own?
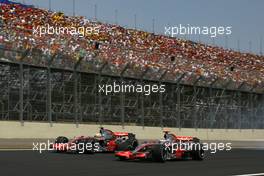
column 55, row 78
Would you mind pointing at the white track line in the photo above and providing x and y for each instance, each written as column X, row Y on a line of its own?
column 256, row 174
column 247, row 147
column 15, row 149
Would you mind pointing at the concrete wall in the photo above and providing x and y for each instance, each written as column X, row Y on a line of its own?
column 10, row 129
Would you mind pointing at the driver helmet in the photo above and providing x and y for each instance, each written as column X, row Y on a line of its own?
column 166, row 131
column 98, row 135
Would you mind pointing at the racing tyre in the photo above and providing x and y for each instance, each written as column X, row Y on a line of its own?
column 196, row 140
column 123, row 146
column 198, row 154
column 134, row 145
column 61, row 139
column 158, row 153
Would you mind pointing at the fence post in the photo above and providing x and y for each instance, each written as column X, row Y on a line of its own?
column 101, row 120
column 21, row 88
column 123, row 96
column 21, row 92
column 142, row 99
column 179, row 100
column 48, row 99
column 75, row 94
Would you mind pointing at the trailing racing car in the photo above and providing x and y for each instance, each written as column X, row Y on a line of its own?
column 105, row 141
column 172, row 148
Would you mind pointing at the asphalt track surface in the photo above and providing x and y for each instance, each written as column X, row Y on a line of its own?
column 234, row 162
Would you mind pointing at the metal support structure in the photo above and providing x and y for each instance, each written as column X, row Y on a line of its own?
column 75, row 94
column 75, row 75
column 161, row 99
column 21, row 88
column 49, row 113
column 195, row 120
column 101, row 120
column 53, row 93
column 80, row 99
column 142, row 112
column 21, row 93
column 161, row 109
column 48, row 100
column 122, row 108
column 251, row 107
column 210, row 103
column 100, row 103
column 178, row 80
column 8, row 94
column 179, row 106
column 123, row 97
column 240, row 111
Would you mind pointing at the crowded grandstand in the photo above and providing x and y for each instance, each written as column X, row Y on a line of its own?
column 120, row 46
column 65, row 59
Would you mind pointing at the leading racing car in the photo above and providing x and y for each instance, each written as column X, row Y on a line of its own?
column 173, row 147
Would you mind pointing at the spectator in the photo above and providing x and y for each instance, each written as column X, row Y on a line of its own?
column 120, row 46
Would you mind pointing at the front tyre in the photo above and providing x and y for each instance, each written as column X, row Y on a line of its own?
column 198, row 153
column 61, row 140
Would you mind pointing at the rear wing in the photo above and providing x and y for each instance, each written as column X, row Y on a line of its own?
column 120, row 133
column 184, row 138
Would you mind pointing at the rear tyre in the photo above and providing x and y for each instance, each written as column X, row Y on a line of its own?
column 158, row 153
column 196, row 140
column 123, row 146
column 134, row 145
